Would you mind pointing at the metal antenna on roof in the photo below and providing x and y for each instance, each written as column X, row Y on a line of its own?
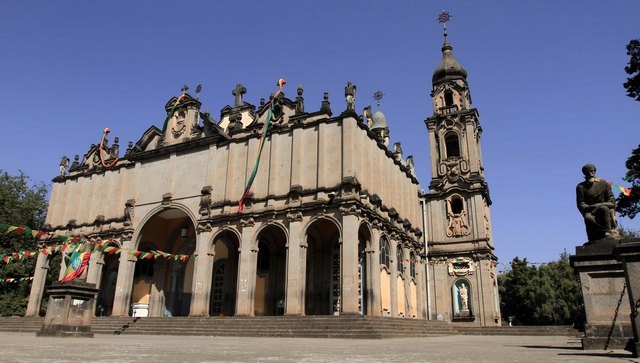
column 443, row 18
column 377, row 95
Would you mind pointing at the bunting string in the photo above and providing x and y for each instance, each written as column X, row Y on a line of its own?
column 10, row 280
column 72, row 243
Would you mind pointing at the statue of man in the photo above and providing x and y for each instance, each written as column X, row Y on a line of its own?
column 595, row 202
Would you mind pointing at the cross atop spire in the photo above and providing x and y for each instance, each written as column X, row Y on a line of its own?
column 443, row 18
column 184, row 89
column 377, row 95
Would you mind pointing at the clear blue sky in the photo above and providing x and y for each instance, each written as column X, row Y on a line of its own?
column 545, row 76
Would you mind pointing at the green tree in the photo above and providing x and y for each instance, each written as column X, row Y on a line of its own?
column 632, row 85
column 629, row 206
column 549, row 295
column 23, row 204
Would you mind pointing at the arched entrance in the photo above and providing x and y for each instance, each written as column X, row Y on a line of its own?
column 271, row 272
column 225, row 275
column 162, row 286
column 322, row 295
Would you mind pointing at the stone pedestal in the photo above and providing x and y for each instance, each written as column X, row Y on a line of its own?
column 69, row 310
column 602, row 279
column 628, row 252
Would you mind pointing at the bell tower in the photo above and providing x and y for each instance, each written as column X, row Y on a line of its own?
column 461, row 255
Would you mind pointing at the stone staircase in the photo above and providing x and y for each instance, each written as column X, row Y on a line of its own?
column 343, row 326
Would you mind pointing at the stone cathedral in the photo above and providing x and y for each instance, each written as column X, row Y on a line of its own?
column 335, row 223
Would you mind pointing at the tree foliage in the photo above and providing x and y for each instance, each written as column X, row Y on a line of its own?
column 629, row 206
column 24, row 204
column 632, row 85
column 548, row 295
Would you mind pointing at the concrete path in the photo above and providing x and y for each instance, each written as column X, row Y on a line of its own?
column 22, row 347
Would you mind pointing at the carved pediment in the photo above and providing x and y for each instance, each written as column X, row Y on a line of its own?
column 148, row 141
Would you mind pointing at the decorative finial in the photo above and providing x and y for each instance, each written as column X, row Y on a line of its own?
column 198, row 89
column 184, row 89
column 443, row 18
column 377, row 95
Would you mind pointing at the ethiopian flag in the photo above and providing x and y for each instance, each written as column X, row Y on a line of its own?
column 77, row 264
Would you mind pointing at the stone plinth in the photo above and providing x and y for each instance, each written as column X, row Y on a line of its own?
column 69, row 310
column 629, row 253
column 602, row 279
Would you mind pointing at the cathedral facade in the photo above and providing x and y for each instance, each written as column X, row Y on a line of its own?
column 277, row 210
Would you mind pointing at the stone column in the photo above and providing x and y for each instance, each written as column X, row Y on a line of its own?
column 349, row 262
column 247, row 269
column 202, row 273
column 421, row 288
column 393, row 286
column 407, row 283
column 373, row 271
column 157, row 301
column 37, row 285
column 94, row 274
column 294, row 292
column 96, row 264
column 124, row 281
column 629, row 253
column 602, row 280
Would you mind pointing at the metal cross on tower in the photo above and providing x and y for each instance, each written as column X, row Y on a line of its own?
column 443, row 18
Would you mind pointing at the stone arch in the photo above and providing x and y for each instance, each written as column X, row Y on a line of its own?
column 224, row 246
column 452, row 145
column 162, row 286
column 323, row 275
column 401, row 293
column 271, row 267
column 385, row 274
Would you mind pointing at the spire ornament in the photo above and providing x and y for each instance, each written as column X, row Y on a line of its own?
column 443, row 18
column 377, row 95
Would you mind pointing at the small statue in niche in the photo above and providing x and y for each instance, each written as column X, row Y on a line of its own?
column 464, row 297
column 350, row 95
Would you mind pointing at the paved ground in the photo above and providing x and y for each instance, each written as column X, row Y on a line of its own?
column 19, row 347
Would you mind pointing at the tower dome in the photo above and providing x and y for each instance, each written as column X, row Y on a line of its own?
column 379, row 121
column 449, row 69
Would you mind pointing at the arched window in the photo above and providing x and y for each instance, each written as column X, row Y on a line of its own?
column 448, row 98
column 456, row 205
column 452, row 144
column 412, row 265
column 384, row 252
column 400, row 258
